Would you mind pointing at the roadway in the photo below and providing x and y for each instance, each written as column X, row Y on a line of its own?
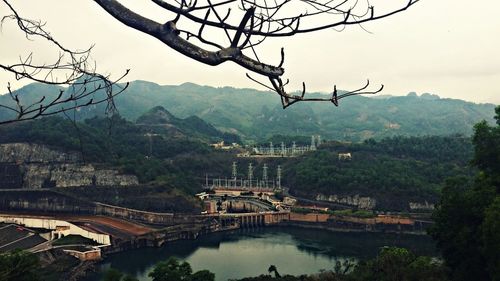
column 251, row 200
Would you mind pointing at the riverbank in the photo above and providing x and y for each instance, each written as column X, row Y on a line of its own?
column 125, row 226
column 393, row 236
column 293, row 250
column 193, row 233
column 332, row 228
column 379, row 223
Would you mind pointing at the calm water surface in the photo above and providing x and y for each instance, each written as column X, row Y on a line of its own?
column 247, row 253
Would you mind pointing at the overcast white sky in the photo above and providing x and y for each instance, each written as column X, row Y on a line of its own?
column 446, row 47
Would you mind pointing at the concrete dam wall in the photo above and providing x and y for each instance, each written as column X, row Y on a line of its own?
column 47, row 201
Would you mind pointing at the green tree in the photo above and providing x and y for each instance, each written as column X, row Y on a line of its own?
column 112, row 275
column 174, row 270
column 129, row 278
column 467, row 227
column 398, row 264
column 19, row 266
column 171, row 270
column 273, row 268
column 202, row 275
column 487, row 149
column 491, row 238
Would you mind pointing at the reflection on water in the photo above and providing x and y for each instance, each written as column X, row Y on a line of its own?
column 250, row 252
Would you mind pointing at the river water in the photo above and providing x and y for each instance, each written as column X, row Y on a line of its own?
column 245, row 253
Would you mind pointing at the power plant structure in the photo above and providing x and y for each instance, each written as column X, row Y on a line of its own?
column 250, row 183
column 283, row 150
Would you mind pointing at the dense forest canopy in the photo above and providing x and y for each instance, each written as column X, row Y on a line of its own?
column 393, row 170
column 467, row 219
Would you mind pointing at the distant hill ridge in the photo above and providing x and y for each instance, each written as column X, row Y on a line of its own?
column 258, row 115
column 157, row 115
column 159, row 120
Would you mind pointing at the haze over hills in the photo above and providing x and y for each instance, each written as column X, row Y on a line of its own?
column 258, row 115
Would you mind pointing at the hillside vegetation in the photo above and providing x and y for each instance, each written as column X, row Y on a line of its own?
column 257, row 115
column 394, row 171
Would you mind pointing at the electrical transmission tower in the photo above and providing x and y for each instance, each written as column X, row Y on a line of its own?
column 235, row 171
column 250, row 174
column 313, row 145
column 279, row 176
column 264, row 175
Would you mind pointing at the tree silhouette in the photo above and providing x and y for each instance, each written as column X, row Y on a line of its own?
column 73, row 69
column 112, row 275
column 19, row 265
column 272, row 268
column 245, row 25
column 467, row 218
column 173, row 270
column 193, row 31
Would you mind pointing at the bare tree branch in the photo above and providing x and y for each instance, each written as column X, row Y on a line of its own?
column 259, row 19
column 73, row 69
column 245, row 23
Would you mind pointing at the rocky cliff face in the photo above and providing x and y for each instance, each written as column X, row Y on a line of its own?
column 35, row 153
column 365, row 203
column 42, row 167
column 65, row 175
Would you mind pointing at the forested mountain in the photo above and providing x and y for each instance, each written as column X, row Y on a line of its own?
column 150, row 141
column 257, row 115
column 394, row 171
column 115, row 142
column 159, row 121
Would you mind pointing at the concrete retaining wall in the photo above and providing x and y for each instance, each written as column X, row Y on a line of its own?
column 59, row 227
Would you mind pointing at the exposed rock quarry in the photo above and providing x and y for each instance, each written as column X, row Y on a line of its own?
column 365, row 203
column 41, row 167
column 34, row 153
column 64, row 175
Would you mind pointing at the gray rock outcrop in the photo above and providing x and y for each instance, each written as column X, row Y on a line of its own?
column 365, row 203
column 67, row 175
column 42, row 167
column 35, row 153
